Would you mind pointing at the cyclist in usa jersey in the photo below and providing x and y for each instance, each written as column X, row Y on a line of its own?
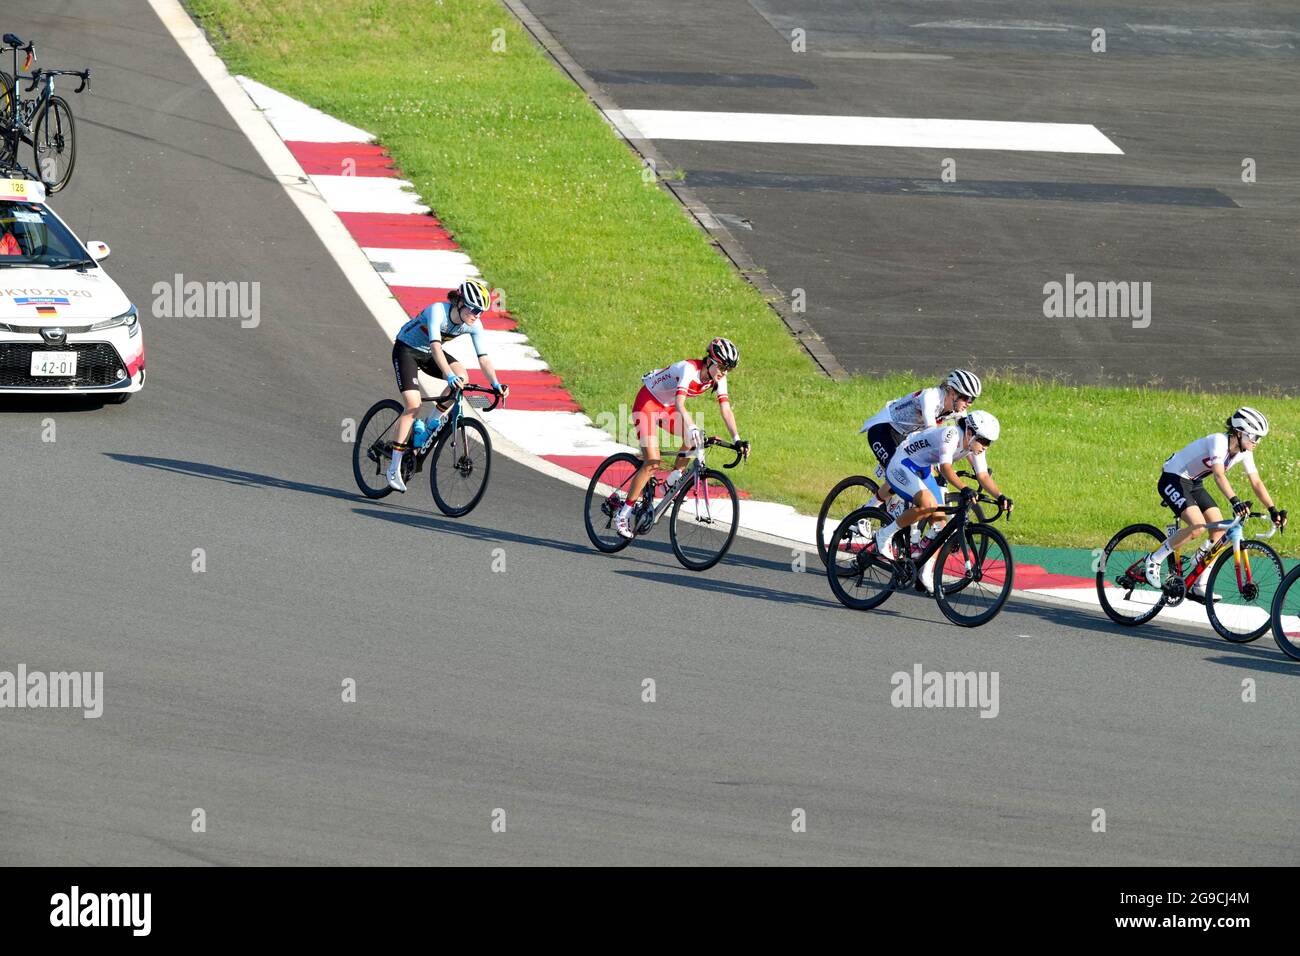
column 661, row 403
column 419, row 348
column 925, row 408
column 1182, row 490
column 909, row 473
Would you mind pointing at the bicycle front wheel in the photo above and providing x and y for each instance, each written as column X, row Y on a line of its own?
column 975, row 572
column 860, row 579
column 704, row 520
column 55, row 144
column 1247, row 589
column 1286, row 615
column 459, row 467
column 854, row 492
column 615, row 473
column 372, row 451
column 1122, row 586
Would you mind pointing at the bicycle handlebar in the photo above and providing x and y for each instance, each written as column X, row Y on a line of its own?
column 37, row 74
column 730, row 446
column 497, row 397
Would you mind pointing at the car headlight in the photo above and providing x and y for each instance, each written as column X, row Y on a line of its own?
column 129, row 318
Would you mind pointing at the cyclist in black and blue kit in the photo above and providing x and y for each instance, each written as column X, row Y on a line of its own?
column 419, row 348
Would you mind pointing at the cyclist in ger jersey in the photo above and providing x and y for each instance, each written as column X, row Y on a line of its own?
column 910, row 470
column 1182, row 489
column 419, row 348
column 662, row 403
column 925, row 408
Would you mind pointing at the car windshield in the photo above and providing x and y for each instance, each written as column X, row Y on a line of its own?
column 30, row 235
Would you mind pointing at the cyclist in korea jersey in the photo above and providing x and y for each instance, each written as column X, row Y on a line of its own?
column 419, row 348
column 1182, row 490
column 661, row 403
column 910, row 469
column 925, row 408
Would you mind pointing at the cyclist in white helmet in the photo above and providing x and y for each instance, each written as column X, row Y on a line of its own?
column 419, row 348
column 1182, row 488
column 909, row 473
column 925, row 408
column 661, row 403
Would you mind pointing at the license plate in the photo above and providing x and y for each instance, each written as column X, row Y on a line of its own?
column 54, row 364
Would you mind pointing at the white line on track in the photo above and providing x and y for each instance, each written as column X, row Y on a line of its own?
column 897, row 131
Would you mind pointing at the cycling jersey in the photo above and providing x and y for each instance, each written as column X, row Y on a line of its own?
column 434, row 324
column 686, row 377
column 1198, row 459
column 941, row 445
column 921, row 409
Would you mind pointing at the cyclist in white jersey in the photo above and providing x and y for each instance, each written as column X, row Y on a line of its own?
column 661, row 403
column 1182, row 490
column 419, row 348
column 969, row 437
column 925, row 408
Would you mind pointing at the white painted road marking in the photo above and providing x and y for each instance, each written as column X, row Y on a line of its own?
column 862, row 131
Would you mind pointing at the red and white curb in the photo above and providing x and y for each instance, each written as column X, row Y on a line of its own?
column 399, row 258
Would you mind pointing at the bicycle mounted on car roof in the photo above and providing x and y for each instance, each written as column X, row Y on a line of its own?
column 43, row 122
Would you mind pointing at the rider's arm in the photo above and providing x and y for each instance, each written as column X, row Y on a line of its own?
column 490, row 371
column 440, row 359
column 680, row 404
column 988, row 484
column 728, row 418
column 950, row 474
column 1257, row 484
column 1221, row 478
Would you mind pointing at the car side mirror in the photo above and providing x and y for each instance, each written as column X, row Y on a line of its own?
column 98, row 250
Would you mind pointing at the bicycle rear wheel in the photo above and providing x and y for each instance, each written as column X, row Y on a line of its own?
column 1286, row 615
column 704, row 520
column 371, row 452
column 54, row 144
column 460, row 466
column 860, row 579
column 616, row 472
column 8, row 144
column 1122, row 587
column 854, row 492
column 974, row 573
column 1245, row 612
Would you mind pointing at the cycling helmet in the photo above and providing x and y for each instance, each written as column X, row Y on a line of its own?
column 983, row 426
column 964, row 383
column 1249, row 420
column 724, row 353
column 475, row 294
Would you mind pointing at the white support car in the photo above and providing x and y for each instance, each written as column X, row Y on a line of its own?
column 65, row 326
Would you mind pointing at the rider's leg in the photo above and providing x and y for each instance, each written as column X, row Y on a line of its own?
column 884, row 442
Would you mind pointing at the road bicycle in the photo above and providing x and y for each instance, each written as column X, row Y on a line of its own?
column 973, row 570
column 703, row 503
column 459, row 453
column 1285, row 615
column 1240, row 614
column 43, row 122
column 859, row 491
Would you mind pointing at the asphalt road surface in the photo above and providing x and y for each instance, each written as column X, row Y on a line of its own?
column 901, row 270
column 519, row 690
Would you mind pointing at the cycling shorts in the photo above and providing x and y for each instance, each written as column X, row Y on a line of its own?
column 884, row 442
column 908, row 478
column 1178, row 493
column 650, row 415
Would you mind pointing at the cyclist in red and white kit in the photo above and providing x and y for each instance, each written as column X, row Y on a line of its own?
column 661, row 403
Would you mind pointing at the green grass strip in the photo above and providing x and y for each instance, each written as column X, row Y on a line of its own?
column 609, row 278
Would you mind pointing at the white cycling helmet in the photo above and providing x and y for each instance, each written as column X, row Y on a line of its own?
column 1249, row 420
column 964, row 383
column 983, row 426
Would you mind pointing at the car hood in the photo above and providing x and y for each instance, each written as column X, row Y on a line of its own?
column 58, row 296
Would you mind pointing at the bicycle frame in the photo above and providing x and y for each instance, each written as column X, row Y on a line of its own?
column 1232, row 538
column 20, row 127
column 959, row 522
column 689, row 481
